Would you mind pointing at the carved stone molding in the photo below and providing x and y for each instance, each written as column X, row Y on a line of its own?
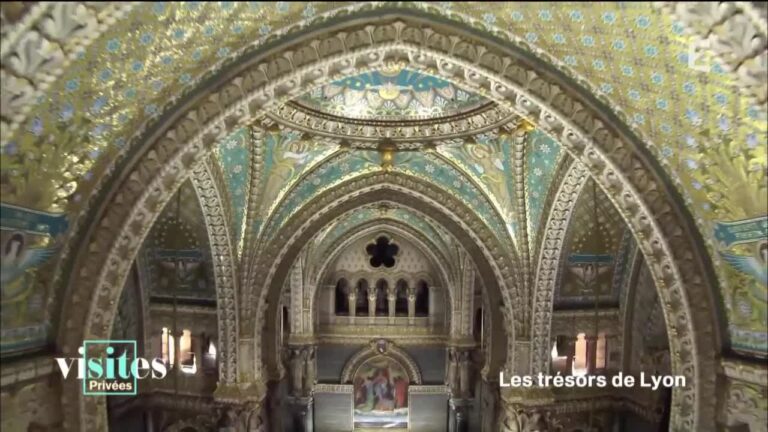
column 462, row 306
column 365, row 336
column 549, row 262
column 333, row 388
column 745, row 401
column 224, row 268
column 384, row 348
column 553, row 104
column 27, row 370
column 428, row 389
column 422, row 133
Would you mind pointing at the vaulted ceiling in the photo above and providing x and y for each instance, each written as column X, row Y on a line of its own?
column 75, row 109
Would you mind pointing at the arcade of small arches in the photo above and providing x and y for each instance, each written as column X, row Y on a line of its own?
column 353, row 217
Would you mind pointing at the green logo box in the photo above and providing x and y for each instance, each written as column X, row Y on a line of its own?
column 86, row 343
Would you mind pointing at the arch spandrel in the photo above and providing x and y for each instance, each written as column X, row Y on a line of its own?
column 641, row 197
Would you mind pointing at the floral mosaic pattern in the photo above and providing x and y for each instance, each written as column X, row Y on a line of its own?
column 325, row 175
column 433, row 168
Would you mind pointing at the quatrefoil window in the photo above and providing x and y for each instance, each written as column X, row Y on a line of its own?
column 382, row 252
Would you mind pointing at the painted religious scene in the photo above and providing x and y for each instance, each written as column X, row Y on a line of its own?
column 381, row 395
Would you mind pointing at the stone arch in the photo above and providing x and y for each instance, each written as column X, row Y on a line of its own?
column 381, row 348
column 549, row 263
column 341, row 296
column 585, row 127
column 395, row 187
column 224, row 268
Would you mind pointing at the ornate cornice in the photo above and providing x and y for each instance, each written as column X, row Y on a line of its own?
column 333, row 388
column 419, row 134
column 405, row 339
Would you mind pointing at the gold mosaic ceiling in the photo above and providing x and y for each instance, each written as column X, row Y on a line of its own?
column 72, row 109
column 58, row 149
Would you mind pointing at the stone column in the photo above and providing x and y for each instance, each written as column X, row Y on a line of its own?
column 569, row 352
column 177, row 350
column 458, row 416
column 310, row 368
column 392, row 298
column 591, row 354
column 371, row 304
column 301, row 414
column 352, row 306
column 459, row 372
column 149, row 424
column 411, row 305
column 155, row 349
column 431, row 306
column 197, row 349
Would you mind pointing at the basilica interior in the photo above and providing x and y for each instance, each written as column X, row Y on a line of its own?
column 361, row 216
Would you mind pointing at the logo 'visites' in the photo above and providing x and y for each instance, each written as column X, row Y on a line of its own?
column 112, row 375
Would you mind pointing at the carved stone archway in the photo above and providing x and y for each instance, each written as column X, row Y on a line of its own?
column 401, row 189
column 584, row 126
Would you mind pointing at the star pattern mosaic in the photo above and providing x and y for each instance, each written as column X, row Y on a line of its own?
column 233, row 155
column 542, row 153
